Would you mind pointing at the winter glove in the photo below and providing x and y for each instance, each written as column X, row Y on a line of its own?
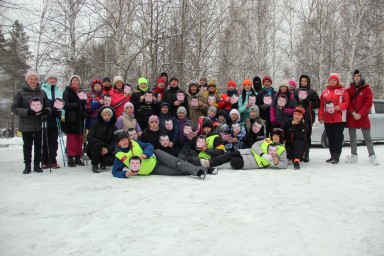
column 30, row 112
column 56, row 112
column 45, row 112
column 82, row 102
column 267, row 157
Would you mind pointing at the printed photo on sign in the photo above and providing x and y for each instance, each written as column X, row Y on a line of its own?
column 267, row 99
column 180, row 97
column 330, row 107
column 234, row 99
column 58, row 104
column 81, row 94
column 36, row 104
column 200, row 142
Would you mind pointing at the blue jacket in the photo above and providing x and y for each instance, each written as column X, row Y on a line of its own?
column 118, row 166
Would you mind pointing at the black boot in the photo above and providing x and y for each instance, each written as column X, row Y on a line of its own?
column 71, row 161
column 78, row 161
column 213, row 171
column 306, row 157
column 36, row 167
column 201, row 174
column 27, row 168
column 95, row 169
column 330, row 159
column 336, row 158
column 296, row 165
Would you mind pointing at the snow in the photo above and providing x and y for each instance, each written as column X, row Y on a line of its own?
column 322, row 209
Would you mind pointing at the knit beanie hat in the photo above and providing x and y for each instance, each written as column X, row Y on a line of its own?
column 106, row 79
column 117, row 78
column 106, row 110
column 119, row 135
column 212, row 82
column 50, row 75
column 221, row 113
column 265, row 78
column 234, row 111
column 212, row 108
column 284, row 83
column 279, row 132
column 30, row 73
column 142, row 80
column 334, row 76
column 73, row 76
column 161, row 80
column 254, row 108
column 164, row 103
column 300, row 109
column 153, row 118
column 181, row 109
column 293, row 83
column 207, row 123
column 173, row 79
column 128, row 104
column 231, row 83
column 247, row 82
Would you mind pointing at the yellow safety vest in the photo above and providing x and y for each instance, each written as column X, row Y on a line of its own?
column 210, row 141
column 147, row 165
column 261, row 162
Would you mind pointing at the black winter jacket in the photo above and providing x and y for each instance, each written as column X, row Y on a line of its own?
column 74, row 112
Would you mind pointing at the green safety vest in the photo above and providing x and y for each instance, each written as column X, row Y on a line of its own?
column 261, row 162
column 210, row 141
column 147, row 165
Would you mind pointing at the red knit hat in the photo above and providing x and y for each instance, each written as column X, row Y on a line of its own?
column 334, row 76
column 231, row 83
column 161, row 80
column 300, row 109
column 247, row 82
column 293, row 83
column 265, row 78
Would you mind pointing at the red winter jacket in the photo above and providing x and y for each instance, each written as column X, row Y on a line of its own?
column 339, row 97
column 118, row 101
column 361, row 104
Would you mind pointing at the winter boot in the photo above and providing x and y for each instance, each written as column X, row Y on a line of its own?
column 306, row 157
column 36, row 167
column 296, row 165
column 201, row 174
column 213, row 171
column 335, row 159
column 95, row 169
column 78, row 161
column 330, row 159
column 373, row 160
column 71, row 161
column 27, row 168
column 351, row 159
column 102, row 165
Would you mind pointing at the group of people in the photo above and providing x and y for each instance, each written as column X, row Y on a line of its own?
column 170, row 131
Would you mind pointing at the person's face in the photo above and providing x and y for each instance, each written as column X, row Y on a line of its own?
column 253, row 114
column 272, row 151
column 221, row 118
column 97, row 87
column 181, row 115
column 154, row 125
column 193, row 89
column 236, row 128
column 234, row 117
column 332, row 82
column 164, row 141
column 119, row 84
column 283, row 88
column 297, row 116
column 127, row 89
column 247, row 87
column 267, row 84
column 231, row 87
column 173, row 83
column 75, row 82
column 143, row 85
column 256, row 127
column 207, row 129
column 330, row 108
column 36, row 106
column 164, row 110
column 168, row 125
column 211, row 88
column 129, row 110
column 161, row 85
column 276, row 138
column 106, row 116
column 281, row 101
column 52, row 80
column 211, row 100
column 291, row 87
column 132, row 135
column 58, row 104
column 134, row 165
column 200, row 143
column 356, row 78
column 123, row 143
column 252, row 100
column 180, row 96
column 187, row 129
column 148, row 97
column 303, row 95
column 267, row 99
column 304, row 81
column 212, row 113
column 106, row 84
column 195, row 103
column 32, row 82
column 202, row 82
column 107, row 101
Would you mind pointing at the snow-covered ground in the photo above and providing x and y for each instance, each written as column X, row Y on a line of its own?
column 323, row 209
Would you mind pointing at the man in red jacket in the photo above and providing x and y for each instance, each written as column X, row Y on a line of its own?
column 361, row 100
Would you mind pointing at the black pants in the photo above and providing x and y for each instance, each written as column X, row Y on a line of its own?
column 30, row 139
column 295, row 149
column 50, row 138
column 233, row 157
column 94, row 153
column 335, row 136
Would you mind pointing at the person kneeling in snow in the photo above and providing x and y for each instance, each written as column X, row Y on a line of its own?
column 265, row 153
column 152, row 161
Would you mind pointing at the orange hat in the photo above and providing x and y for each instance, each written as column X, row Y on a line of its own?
column 247, row 82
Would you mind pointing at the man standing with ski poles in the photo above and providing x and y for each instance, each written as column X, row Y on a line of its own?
column 50, row 131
